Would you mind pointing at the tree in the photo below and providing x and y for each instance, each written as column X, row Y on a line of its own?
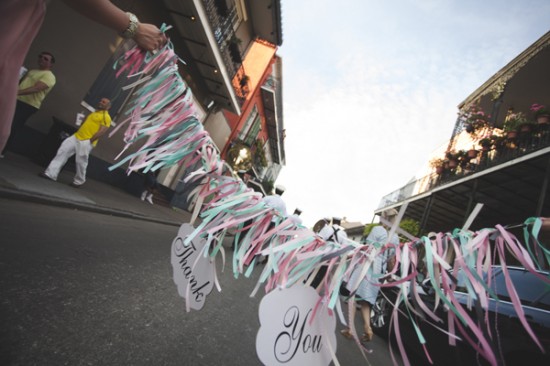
column 409, row 225
column 268, row 186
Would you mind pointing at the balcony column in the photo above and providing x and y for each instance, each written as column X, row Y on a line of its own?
column 471, row 203
column 426, row 213
column 540, row 205
column 543, row 190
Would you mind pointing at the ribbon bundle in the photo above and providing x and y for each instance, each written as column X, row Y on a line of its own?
column 162, row 113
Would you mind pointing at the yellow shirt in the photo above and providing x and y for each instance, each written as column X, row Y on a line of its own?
column 92, row 124
column 30, row 79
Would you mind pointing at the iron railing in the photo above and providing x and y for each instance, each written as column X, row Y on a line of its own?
column 525, row 143
column 222, row 20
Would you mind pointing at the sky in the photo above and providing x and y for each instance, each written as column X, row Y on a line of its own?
column 371, row 89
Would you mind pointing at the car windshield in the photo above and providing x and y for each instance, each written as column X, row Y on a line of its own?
column 530, row 289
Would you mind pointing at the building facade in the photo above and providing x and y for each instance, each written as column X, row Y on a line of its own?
column 212, row 37
column 498, row 155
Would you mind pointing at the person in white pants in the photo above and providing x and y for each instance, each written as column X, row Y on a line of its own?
column 81, row 144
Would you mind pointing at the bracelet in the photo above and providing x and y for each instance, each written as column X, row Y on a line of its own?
column 130, row 31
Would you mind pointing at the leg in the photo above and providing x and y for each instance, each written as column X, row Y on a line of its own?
column 149, row 197
column 83, row 149
column 65, row 151
column 346, row 332
column 365, row 311
column 19, row 24
column 23, row 112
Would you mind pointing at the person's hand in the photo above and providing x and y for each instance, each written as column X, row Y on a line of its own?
column 545, row 224
column 149, row 37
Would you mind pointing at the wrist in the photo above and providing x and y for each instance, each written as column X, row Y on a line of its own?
column 131, row 29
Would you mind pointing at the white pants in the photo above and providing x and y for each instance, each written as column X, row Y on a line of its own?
column 71, row 146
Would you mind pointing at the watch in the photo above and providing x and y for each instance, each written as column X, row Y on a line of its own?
column 130, row 31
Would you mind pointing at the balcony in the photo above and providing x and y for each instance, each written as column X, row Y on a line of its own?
column 272, row 98
column 209, row 31
column 510, row 178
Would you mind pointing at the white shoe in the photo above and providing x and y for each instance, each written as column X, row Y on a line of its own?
column 143, row 195
column 150, row 199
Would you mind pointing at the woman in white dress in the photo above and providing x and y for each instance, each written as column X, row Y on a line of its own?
column 367, row 291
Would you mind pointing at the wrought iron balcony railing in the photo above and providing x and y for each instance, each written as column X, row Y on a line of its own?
column 222, row 20
column 524, row 144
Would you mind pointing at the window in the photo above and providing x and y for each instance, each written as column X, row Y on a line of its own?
column 244, row 134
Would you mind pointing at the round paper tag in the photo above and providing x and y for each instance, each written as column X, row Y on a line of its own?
column 287, row 334
column 193, row 272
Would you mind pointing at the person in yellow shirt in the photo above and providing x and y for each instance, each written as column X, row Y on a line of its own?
column 80, row 144
column 20, row 22
column 37, row 83
column 33, row 89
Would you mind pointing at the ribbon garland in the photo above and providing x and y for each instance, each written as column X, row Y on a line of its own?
column 162, row 113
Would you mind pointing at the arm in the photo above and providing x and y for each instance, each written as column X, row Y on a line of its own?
column 99, row 133
column 39, row 86
column 147, row 36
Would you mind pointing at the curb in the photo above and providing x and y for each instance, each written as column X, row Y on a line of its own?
column 26, row 196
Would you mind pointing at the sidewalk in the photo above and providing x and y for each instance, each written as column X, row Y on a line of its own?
column 19, row 180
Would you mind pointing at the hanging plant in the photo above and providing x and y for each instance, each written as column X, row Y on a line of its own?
column 235, row 53
column 244, row 80
column 221, row 8
column 259, row 153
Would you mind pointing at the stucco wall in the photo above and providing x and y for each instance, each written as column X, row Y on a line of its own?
column 218, row 128
column 81, row 48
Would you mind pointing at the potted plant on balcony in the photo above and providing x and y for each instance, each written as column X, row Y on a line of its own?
column 438, row 164
column 540, row 113
column 455, row 158
column 462, row 156
column 499, row 143
column 234, row 50
column 244, row 81
column 486, row 143
column 512, row 123
column 474, row 119
column 259, row 153
column 526, row 127
column 221, row 8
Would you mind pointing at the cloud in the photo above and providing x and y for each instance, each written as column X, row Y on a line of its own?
column 371, row 89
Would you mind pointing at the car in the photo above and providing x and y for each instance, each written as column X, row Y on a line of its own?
column 508, row 338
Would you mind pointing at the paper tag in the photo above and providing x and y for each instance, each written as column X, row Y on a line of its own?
column 287, row 336
column 193, row 273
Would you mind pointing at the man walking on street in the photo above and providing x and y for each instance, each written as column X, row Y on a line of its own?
column 330, row 233
column 80, row 144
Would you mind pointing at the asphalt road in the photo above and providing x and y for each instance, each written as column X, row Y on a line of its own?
column 80, row 288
